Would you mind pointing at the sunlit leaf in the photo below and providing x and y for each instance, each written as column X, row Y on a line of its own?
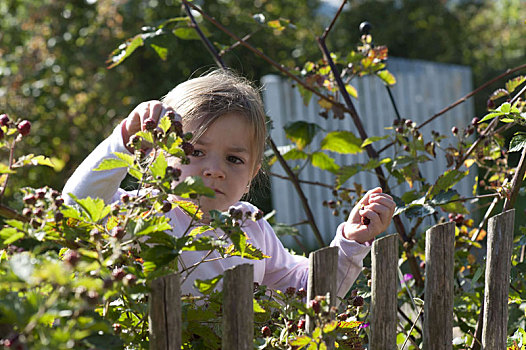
column 351, row 90
column 159, row 165
column 512, row 84
column 518, row 142
column 301, row 341
column 95, row 208
column 343, row 142
column 125, row 50
column 372, row 139
column 301, row 132
column 324, row 162
column 387, row 77
column 207, row 286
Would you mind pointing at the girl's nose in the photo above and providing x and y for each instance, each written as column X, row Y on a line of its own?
column 213, row 169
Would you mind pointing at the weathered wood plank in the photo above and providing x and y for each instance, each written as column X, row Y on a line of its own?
column 384, row 265
column 238, row 308
column 498, row 265
column 438, row 303
column 165, row 313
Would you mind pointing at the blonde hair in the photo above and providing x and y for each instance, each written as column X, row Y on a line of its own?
column 201, row 101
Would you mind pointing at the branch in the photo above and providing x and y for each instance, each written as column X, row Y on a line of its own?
column 315, row 183
column 9, row 213
column 328, row 29
column 304, row 201
column 204, row 39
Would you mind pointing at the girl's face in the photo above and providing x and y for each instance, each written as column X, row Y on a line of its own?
column 223, row 158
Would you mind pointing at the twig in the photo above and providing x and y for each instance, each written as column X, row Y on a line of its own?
column 413, row 326
column 299, row 190
column 9, row 213
column 315, row 183
column 328, row 29
column 204, row 39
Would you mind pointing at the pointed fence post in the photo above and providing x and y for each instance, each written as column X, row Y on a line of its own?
column 238, row 308
column 384, row 266
column 498, row 265
column 165, row 313
column 438, row 303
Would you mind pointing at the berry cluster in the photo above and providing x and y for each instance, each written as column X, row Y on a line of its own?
column 341, row 203
column 22, row 127
column 40, row 205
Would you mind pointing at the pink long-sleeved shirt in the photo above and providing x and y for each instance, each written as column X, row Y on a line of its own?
column 280, row 271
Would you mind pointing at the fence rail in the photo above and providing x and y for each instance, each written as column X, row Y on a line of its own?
column 165, row 304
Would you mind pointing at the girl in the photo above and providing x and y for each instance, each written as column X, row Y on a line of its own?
column 225, row 115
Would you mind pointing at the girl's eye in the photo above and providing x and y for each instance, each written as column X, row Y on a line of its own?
column 197, row 153
column 235, row 160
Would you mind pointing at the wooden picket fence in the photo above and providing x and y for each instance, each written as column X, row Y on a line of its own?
column 237, row 321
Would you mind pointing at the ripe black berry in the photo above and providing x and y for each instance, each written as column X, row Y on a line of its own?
column 150, row 124
column 365, row 28
column 59, row 216
column 358, row 301
column 188, row 148
column 125, row 198
column 118, row 232
column 315, row 305
column 301, row 293
column 454, row 130
column 290, row 291
column 29, row 199
column 59, row 201
column 178, row 128
column 24, row 127
column 27, row 212
column 365, row 220
column 40, row 194
column 118, row 273
column 475, row 121
column 72, row 257
column 166, row 207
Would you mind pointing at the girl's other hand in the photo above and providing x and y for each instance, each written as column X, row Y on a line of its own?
column 376, row 206
column 143, row 114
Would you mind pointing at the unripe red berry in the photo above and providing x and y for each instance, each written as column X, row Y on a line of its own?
column 40, row 194
column 4, row 119
column 301, row 293
column 118, row 232
column 291, row 325
column 454, row 130
column 265, row 331
column 72, row 257
column 475, row 121
column 38, row 212
column 27, row 212
column 342, row 317
column 408, row 122
column 150, row 124
column 125, row 198
column 188, row 148
column 407, row 148
column 29, row 199
column 399, row 130
column 118, row 273
column 290, row 291
column 301, row 324
column 24, row 127
column 117, row 328
column 331, row 204
column 315, row 305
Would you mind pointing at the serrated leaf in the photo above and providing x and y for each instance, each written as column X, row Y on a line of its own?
column 301, row 133
column 125, row 50
column 316, row 333
column 418, row 211
column 386, row 76
column 10, row 235
column 331, row 326
column 301, row 341
column 190, row 208
column 165, row 124
column 322, row 161
column 518, row 142
column 146, row 135
column 258, row 308
column 443, row 197
column 447, row 180
column 349, row 324
column 41, row 160
column 347, row 172
column 144, row 227
column 512, row 84
column 193, row 184
column 343, row 142
column 250, row 252
column 159, row 165
column 196, row 231
column 490, row 116
column 187, row 33
column 95, row 208
column 295, row 154
column 111, row 163
column 207, row 286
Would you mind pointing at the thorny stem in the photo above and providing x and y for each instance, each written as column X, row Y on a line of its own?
column 11, row 156
column 371, row 152
column 301, row 194
column 207, row 43
column 328, row 29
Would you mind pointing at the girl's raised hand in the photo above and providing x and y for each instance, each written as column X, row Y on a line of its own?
column 145, row 112
column 375, row 206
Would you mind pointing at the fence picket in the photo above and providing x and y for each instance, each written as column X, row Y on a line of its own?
column 165, row 313
column 498, row 265
column 384, row 265
column 438, row 303
column 238, row 308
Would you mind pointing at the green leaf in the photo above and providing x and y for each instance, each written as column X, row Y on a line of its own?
column 512, row 84
column 372, row 139
column 301, row 133
column 491, row 116
column 125, row 50
column 41, row 160
column 190, row 208
column 165, row 124
column 239, row 239
column 305, row 94
column 158, row 167
column 144, row 227
column 196, row 231
column 447, row 180
column 518, row 142
column 160, row 255
column 331, row 326
column 207, row 286
column 324, row 162
column 316, row 333
column 10, row 235
column 351, row 90
column 388, row 78
column 161, row 51
column 343, row 142
column 285, row 230
column 257, row 308
column 146, row 135
column 193, row 184
column 295, row 154
column 4, row 169
column 187, row 33
column 443, row 197
column 71, row 212
column 301, row 341
column 94, row 208
column 347, row 172
column 419, row 211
